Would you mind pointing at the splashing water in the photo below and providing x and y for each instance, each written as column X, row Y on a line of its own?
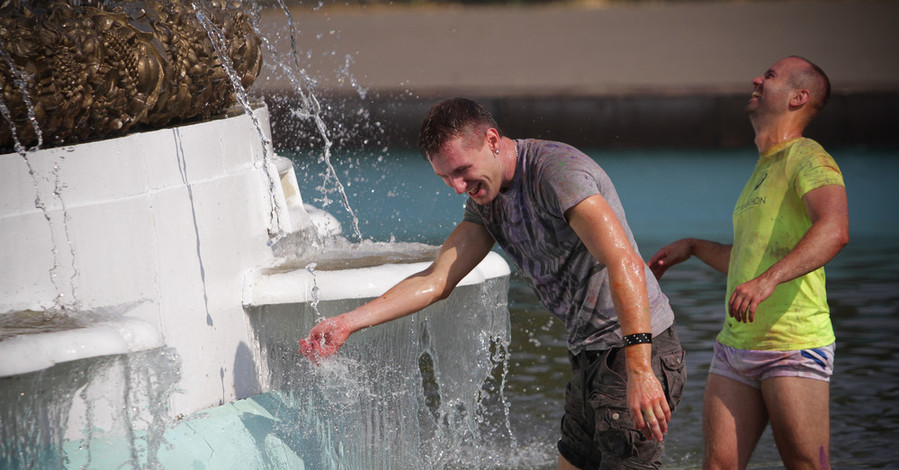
column 314, row 303
column 218, row 42
column 423, row 391
column 311, row 109
column 345, row 74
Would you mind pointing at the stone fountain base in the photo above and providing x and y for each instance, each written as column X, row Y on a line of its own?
column 140, row 274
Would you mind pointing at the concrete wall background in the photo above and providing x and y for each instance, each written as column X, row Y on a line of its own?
column 646, row 74
column 606, row 121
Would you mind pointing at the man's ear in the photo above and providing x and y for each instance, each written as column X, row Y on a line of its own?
column 800, row 97
column 492, row 136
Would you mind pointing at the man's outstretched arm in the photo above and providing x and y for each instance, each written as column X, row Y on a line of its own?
column 711, row 253
column 461, row 252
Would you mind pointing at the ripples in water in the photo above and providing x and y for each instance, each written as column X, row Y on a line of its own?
column 863, row 290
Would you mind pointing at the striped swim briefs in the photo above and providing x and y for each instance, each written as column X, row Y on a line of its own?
column 751, row 367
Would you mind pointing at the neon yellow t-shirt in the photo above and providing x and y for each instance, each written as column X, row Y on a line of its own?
column 769, row 220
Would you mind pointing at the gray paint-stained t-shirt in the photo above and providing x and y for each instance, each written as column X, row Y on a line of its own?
column 527, row 220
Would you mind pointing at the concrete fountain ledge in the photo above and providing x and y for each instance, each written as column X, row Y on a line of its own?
column 296, row 287
column 30, row 353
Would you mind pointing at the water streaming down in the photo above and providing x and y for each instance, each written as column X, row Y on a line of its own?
column 57, row 225
column 425, row 391
column 120, row 425
column 7, row 115
column 311, row 109
column 21, row 80
column 20, row 149
column 240, row 93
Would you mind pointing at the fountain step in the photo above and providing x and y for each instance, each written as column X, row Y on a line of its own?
column 296, row 286
column 34, row 352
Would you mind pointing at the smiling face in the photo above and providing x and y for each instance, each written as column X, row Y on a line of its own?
column 469, row 165
column 773, row 90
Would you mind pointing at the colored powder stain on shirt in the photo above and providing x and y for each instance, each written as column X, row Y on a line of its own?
column 769, row 220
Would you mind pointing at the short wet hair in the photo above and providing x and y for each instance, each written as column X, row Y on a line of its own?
column 815, row 81
column 451, row 118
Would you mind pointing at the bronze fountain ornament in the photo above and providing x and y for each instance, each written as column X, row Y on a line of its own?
column 82, row 71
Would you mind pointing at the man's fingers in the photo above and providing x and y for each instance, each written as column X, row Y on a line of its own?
column 305, row 347
column 739, row 307
column 742, row 310
column 639, row 421
column 311, row 350
column 658, row 269
column 653, row 427
column 666, row 410
column 663, row 417
column 653, row 420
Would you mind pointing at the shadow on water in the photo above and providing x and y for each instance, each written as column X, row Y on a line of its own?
column 668, row 195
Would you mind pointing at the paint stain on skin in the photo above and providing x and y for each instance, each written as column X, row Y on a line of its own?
column 823, row 456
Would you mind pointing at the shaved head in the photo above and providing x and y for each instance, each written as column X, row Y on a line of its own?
column 810, row 77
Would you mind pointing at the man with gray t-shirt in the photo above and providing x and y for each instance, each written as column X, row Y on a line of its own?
column 557, row 216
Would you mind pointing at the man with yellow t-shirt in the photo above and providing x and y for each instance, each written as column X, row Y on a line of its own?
column 774, row 356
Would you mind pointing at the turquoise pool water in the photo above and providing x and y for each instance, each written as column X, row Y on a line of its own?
column 666, row 194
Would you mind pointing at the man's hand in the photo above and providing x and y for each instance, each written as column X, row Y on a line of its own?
column 747, row 297
column 648, row 405
column 325, row 339
column 829, row 213
column 668, row 256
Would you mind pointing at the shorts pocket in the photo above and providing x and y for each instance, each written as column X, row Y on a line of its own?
column 674, row 373
column 616, row 433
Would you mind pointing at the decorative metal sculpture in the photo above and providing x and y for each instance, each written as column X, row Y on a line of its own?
column 81, row 71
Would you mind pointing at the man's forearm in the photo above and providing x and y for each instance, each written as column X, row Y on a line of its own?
column 819, row 245
column 714, row 254
column 628, row 281
column 829, row 212
column 408, row 296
